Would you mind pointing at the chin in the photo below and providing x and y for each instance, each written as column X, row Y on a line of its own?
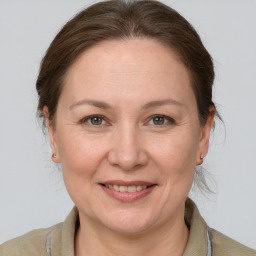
column 128, row 222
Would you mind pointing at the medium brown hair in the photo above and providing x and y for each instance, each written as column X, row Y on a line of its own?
column 120, row 19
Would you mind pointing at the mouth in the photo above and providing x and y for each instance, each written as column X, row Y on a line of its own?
column 127, row 191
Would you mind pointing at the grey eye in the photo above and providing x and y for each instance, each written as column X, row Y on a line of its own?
column 96, row 120
column 159, row 120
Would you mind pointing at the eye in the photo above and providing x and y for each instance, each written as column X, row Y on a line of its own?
column 95, row 120
column 161, row 120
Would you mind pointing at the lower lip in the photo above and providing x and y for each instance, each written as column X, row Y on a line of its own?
column 128, row 197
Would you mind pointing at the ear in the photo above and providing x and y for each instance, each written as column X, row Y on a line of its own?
column 205, row 136
column 52, row 136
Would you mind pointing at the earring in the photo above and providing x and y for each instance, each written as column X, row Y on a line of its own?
column 202, row 160
column 54, row 155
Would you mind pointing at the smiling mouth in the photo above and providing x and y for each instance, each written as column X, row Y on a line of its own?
column 129, row 189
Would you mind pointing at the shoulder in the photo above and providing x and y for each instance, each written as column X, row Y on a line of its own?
column 225, row 246
column 32, row 243
column 41, row 242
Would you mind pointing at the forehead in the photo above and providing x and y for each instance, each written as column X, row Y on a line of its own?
column 130, row 54
column 123, row 67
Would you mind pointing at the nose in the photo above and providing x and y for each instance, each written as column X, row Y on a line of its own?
column 127, row 150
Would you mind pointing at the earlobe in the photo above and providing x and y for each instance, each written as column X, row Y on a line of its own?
column 52, row 136
column 205, row 135
column 201, row 160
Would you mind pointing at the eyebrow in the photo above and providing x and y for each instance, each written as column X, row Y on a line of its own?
column 104, row 105
column 158, row 103
column 95, row 103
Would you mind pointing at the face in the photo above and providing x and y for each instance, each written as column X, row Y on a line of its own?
column 128, row 136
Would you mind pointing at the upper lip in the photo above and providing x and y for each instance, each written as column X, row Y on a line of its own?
column 127, row 183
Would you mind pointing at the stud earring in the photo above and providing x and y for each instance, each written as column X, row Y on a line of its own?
column 202, row 160
column 54, row 155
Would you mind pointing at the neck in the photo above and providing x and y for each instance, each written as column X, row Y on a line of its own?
column 169, row 239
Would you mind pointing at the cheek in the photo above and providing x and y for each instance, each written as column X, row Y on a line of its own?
column 178, row 149
column 176, row 162
column 80, row 155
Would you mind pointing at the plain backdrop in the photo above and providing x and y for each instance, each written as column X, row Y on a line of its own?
column 32, row 193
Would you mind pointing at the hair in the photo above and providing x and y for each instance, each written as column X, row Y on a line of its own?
column 121, row 20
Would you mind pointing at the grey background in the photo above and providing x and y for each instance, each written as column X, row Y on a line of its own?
column 32, row 193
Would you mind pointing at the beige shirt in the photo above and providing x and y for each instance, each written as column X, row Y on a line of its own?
column 58, row 240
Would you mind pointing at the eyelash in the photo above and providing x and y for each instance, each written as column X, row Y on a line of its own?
column 87, row 118
column 168, row 120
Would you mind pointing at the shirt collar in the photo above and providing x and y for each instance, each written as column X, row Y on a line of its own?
column 197, row 241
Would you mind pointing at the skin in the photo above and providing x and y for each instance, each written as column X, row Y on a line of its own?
column 129, row 144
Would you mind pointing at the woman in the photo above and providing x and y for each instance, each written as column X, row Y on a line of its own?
column 125, row 90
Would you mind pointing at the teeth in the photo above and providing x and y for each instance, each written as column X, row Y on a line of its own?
column 116, row 187
column 138, row 188
column 130, row 189
column 123, row 189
